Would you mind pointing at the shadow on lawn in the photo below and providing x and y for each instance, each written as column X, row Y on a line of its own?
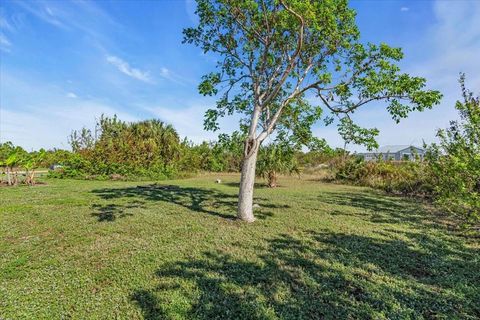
column 209, row 201
column 322, row 276
column 111, row 212
column 378, row 208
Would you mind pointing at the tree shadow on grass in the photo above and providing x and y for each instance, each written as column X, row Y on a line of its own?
column 321, row 275
column 209, row 201
column 112, row 211
column 377, row 207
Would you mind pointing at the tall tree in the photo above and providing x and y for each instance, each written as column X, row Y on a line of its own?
column 274, row 54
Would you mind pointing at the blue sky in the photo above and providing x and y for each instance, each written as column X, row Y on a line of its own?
column 64, row 63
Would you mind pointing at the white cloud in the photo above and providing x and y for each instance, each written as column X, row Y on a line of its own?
column 4, row 24
column 83, row 16
column 5, row 27
column 453, row 44
column 449, row 46
column 5, row 44
column 34, row 114
column 125, row 68
column 43, row 13
column 404, row 9
column 49, row 127
column 167, row 74
column 49, row 11
column 189, row 121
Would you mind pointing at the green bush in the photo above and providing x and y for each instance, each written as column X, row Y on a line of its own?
column 455, row 161
column 274, row 159
column 145, row 149
column 406, row 177
column 450, row 174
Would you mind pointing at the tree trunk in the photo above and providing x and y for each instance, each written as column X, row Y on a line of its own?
column 15, row 178
column 27, row 177
column 32, row 177
column 272, row 179
column 9, row 177
column 247, row 181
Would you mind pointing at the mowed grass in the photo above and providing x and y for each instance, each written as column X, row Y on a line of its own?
column 172, row 250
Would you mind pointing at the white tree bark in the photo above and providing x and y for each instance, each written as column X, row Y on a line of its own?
column 247, row 181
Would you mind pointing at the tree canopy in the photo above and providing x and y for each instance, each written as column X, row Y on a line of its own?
column 283, row 62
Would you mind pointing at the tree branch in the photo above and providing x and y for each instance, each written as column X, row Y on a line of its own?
column 291, row 62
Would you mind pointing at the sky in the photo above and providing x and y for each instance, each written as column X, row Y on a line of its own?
column 64, row 63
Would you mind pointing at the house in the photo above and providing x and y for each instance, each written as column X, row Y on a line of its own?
column 395, row 152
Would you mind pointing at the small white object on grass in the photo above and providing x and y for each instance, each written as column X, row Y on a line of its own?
column 218, row 181
column 256, row 205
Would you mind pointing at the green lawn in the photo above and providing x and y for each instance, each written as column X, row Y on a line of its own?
column 172, row 250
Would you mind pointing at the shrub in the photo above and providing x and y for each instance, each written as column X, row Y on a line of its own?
column 450, row 174
column 405, row 177
column 455, row 161
column 148, row 149
column 274, row 159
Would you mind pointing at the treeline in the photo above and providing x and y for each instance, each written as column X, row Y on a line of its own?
column 151, row 149
column 147, row 149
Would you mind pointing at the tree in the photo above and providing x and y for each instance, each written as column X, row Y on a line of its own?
column 81, row 140
column 6, row 149
column 455, row 161
column 274, row 159
column 31, row 162
column 126, row 148
column 274, row 54
column 350, row 132
column 11, row 157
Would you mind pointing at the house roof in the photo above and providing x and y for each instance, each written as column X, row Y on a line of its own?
column 393, row 148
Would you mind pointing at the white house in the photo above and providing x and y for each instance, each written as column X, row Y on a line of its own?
column 398, row 152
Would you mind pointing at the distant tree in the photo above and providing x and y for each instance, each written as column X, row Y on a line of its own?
column 455, row 161
column 126, row 148
column 352, row 133
column 56, row 157
column 81, row 140
column 230, row 149
column 10, row 159
column 275, row 53
column 31, row 162
column 6, row 149
column 274, row 159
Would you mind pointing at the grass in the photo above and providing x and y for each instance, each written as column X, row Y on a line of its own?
column 173, row 250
